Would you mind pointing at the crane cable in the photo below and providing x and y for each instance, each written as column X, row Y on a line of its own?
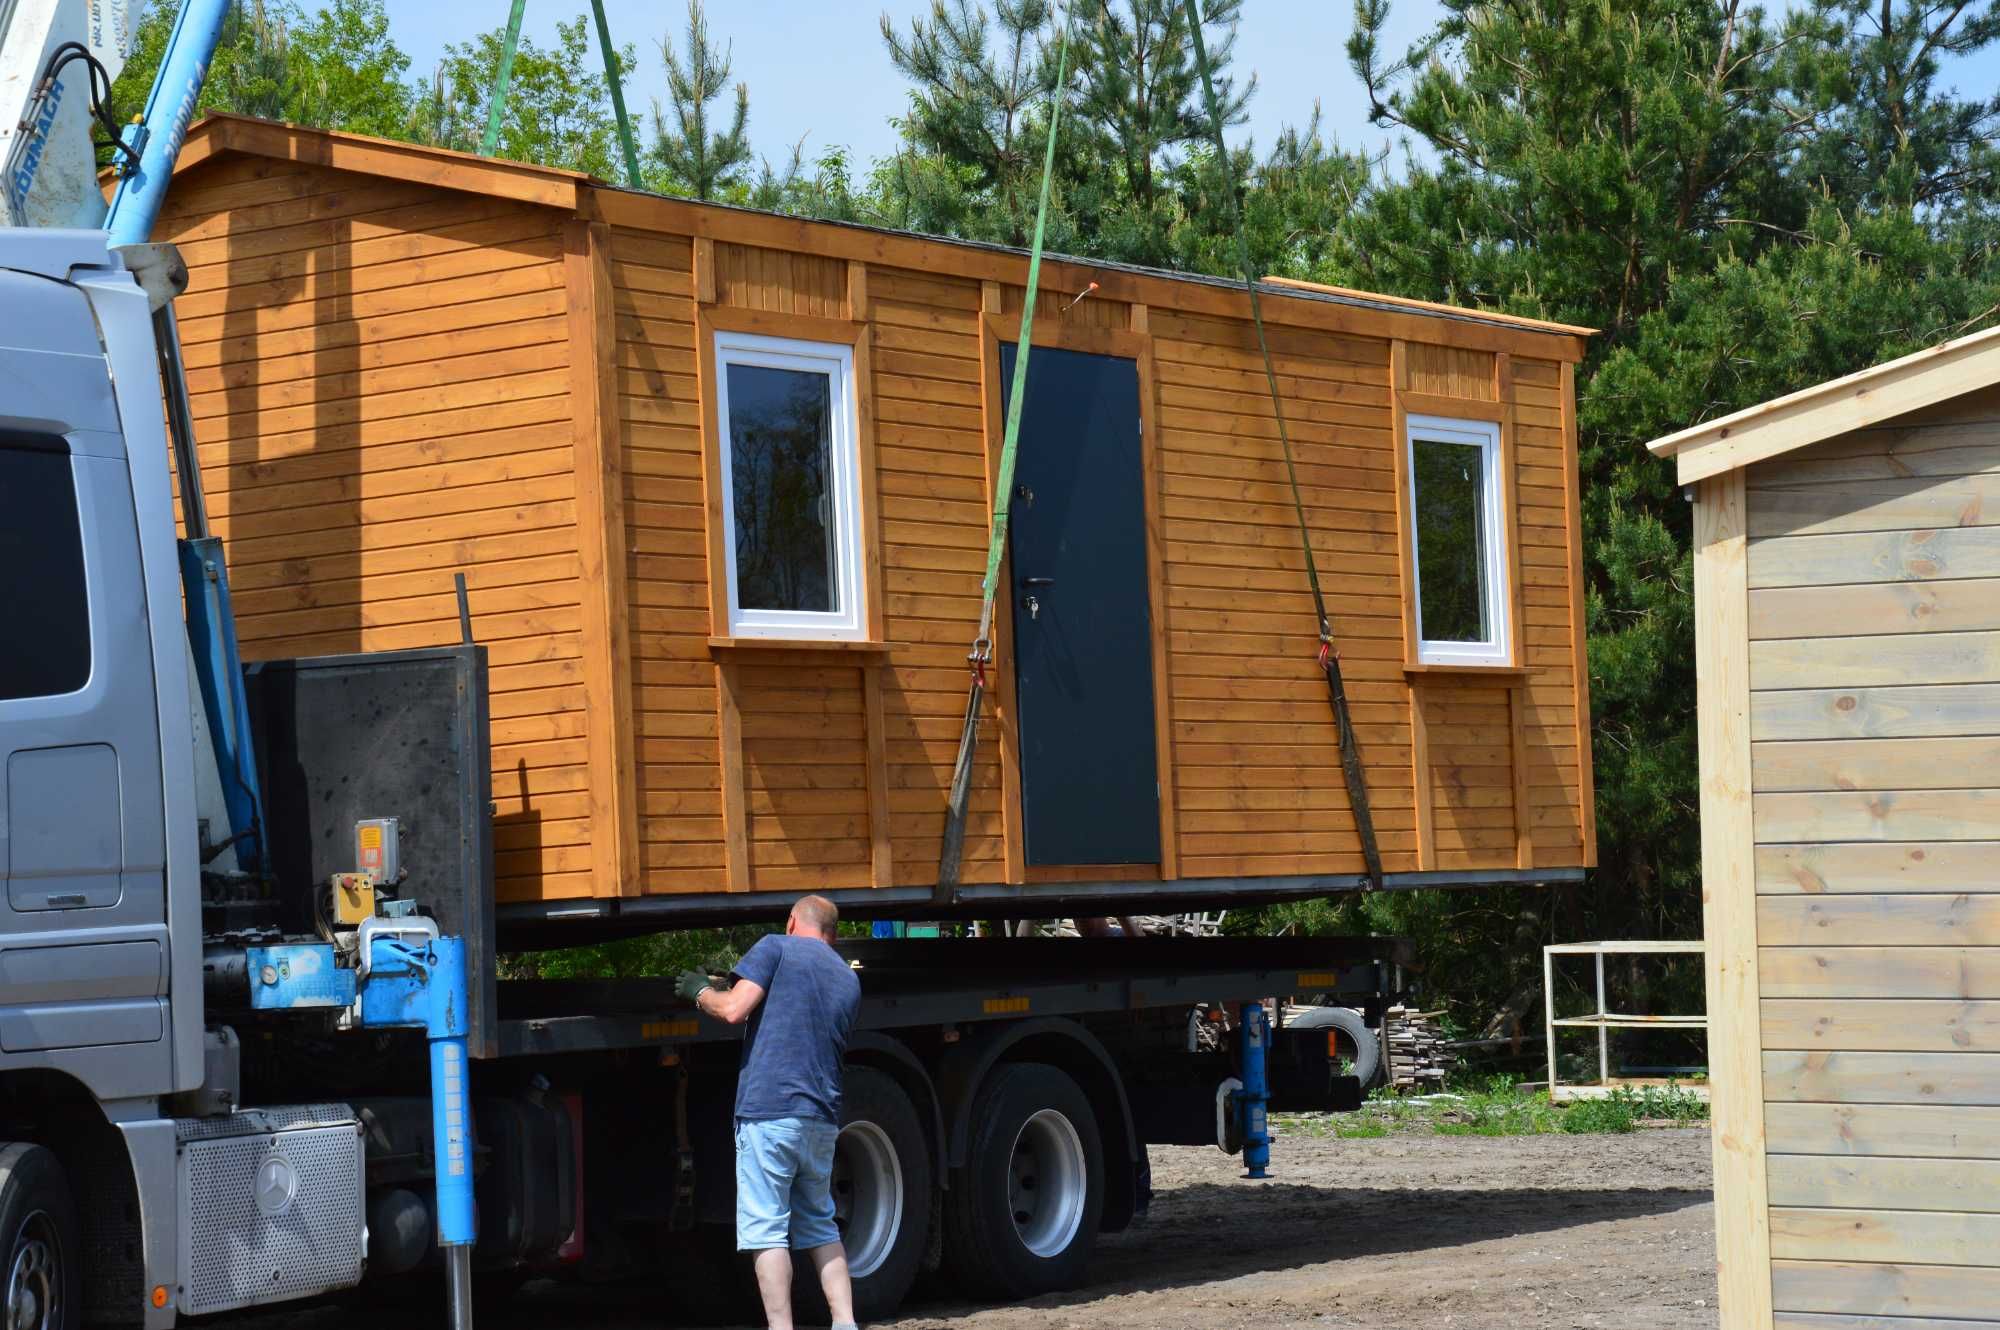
column 1329, row 656
column 1003, row 488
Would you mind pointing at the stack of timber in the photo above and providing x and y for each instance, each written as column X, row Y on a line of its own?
column 407, row 363
column 1419, row 1059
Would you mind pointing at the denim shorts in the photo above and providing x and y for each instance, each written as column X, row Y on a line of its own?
column 784, row 1184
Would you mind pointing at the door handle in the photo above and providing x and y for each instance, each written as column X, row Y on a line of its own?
column 1038, row 581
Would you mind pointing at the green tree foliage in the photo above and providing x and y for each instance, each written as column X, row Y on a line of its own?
column 558, row 102
column 694, row 158
column 333, row 67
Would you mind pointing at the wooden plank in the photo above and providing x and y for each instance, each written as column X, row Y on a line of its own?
column 875, row 600
column 1964, row 1186
column 1897, row 504
column 858, row 308
column 1881, row 1078
column 1836, row 1321
column 1884, row 607
column 1579, row 639
column 1882, row 867
column 1892, row 556
column 1895, row 1131
column 1860, row 662
column 1872, row 1289
column 1884, row 1235
column 600, row 533
column 1915, row 1025
column 1406, row 572
column 704, row 270
column 1876, row 764
column 1880, row 972
column 1156, row 599
column 882, row 853
column 1421, row 774
column 1924, row 711
column 1956, row 920
column 401, row 161
column 714, row 485
column 1729, row 919
column 1883, row 815
column 1511, row 469
column 992, row 434
column 1524, row 834
column 729, row 748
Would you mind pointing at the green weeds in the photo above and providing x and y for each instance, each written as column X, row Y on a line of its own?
column 1495, row 1107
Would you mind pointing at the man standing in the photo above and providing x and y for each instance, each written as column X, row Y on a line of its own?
column 799, row 997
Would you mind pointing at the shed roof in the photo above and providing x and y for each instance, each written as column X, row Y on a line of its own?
column 221, row 133
column 1883, row 392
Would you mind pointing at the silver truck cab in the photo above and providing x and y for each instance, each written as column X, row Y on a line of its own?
column 100, row 926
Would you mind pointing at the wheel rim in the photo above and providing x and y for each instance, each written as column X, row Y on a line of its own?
column 867, row 1196
column 1046, row 1183
column 34, row 1276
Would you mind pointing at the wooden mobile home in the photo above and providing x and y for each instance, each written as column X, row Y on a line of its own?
column 720, row 484
column 1848, row 644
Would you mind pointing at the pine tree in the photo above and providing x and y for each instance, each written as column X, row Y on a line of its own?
column 701, row 161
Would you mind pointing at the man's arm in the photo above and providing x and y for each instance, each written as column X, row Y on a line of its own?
column 731, row 1005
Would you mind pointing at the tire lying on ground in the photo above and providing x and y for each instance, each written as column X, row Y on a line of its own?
column 881, row 1198
column 1021, row 1218
column 1356, row 1041
column 40, row 1241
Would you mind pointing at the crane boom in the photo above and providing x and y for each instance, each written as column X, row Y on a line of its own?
column 50, row 169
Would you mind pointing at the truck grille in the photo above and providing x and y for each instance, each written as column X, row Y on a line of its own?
column 268, row 1214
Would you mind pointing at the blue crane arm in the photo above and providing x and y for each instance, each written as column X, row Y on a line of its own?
column 158, row 133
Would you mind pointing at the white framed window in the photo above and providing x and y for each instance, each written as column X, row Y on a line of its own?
column 1458, row 541
column 791, row 464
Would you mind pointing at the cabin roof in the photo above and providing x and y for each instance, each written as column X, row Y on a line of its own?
column 1873, row 395
column 220, row 133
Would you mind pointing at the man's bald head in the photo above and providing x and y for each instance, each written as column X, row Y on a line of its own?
column 817, row 914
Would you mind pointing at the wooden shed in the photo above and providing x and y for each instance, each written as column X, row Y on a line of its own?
column 720, row 483
column 1848, row 640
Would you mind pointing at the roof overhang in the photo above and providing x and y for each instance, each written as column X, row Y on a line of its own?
column 1933, row 375
column 494, row 177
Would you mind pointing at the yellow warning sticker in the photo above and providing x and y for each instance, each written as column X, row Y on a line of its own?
column 371, row 838
column 1318, row 979
column 1001, row 1006
column 681, row 1029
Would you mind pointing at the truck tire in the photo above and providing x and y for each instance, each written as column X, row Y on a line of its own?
column 881, row 1197
column 39, row 1241
column 1021, row 1219
column 1356, row 1041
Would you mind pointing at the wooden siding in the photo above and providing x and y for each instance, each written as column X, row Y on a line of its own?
column 395, row 381
column 1874, row 646
column 379, row 373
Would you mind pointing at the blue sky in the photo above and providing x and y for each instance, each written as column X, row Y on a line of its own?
column 818, row 67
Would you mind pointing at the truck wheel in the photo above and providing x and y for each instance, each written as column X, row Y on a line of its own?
column 881, row 1196
column 1353, row 1039
column 1023, row 1217
column 42, row 1243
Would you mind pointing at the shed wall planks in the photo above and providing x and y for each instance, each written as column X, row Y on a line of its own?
column 1874, row 652
column 394, row 381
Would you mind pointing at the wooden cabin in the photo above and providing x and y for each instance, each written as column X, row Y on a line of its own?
column 719, row 481
column 1848, row 640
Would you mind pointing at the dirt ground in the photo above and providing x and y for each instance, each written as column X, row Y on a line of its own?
column 1405, row 1232
column 1410, row 1231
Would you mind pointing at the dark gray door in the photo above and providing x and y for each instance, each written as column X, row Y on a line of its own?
column 1083, row 661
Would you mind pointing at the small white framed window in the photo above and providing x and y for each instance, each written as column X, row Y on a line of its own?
column 1458, row 541
column 791, row 465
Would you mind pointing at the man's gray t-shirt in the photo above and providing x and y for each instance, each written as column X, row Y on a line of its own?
column 797, row 1037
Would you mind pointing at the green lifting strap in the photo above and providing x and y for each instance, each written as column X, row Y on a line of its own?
column 1329, row 658
column 497, row 108
column 1003, row 492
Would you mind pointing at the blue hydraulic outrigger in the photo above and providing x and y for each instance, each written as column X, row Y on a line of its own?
column 405, row 975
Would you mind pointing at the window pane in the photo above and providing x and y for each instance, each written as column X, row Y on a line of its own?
column 1450, row 484
column 780, row 456
column 42, row 599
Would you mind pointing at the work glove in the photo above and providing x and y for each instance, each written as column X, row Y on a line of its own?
column 691, row 983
